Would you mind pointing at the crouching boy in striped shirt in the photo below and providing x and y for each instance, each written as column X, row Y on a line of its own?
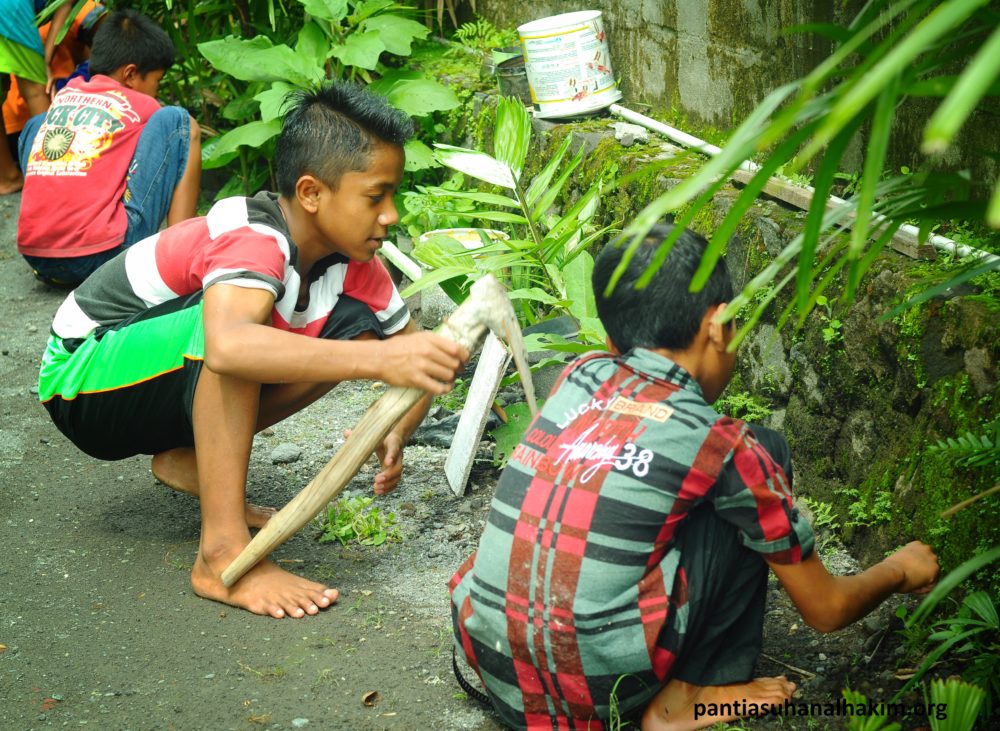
column 192, row 340
column 626, row 553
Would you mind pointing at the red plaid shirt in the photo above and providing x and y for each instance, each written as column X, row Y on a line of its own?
column 575, row 583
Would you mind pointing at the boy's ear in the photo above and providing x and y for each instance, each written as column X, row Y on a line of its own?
column 307, row 191
column 128, row 75
column 719, row 332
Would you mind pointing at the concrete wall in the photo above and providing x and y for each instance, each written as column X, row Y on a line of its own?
column 713, row 61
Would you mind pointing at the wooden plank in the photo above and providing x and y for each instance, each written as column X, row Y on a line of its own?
column 482, row 391
column 801, row 197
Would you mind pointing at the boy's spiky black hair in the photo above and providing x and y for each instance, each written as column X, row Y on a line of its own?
column 333, row 131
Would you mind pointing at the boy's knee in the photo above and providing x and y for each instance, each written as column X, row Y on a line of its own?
column 168, row 120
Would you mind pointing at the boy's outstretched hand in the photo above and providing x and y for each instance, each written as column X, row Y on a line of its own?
column 919, row 566
column 423, row 360
column 390, row 456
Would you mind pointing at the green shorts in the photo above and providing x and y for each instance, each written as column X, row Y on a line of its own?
column 21, row 61
column 129, row 389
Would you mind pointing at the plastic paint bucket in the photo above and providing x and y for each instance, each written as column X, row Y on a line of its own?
column 513, row 80
column 568, row 65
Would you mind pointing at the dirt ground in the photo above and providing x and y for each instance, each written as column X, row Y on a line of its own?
column 99, row 626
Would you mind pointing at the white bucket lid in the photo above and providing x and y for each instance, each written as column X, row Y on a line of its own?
column 467, row 237
column 555, row 22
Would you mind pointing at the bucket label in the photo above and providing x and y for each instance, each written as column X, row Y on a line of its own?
column 569, row 69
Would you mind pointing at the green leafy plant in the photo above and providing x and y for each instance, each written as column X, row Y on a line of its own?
column 507, row 436
column 875, row 722
column 423, row 210
column 822, row 512
column 973, row 450
column 354, row 519
column 341, row 39
column 962, row 701
column 974, row 635
column 974, row 632
column 545, row 261
column 743, row 405
column 833, row 328
column 865, row 512
column 891, row 52
column 455, row 399
column 481, row 35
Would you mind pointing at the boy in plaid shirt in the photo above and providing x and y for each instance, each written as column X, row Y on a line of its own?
column 627, row 548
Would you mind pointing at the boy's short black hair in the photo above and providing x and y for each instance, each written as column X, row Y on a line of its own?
column 127, row 36
column 664, row 314
column 333, row 131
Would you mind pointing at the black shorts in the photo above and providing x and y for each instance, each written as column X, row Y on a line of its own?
column 129, row 389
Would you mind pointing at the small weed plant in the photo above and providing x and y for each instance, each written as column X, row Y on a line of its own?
column 456, row 398
column 824, row 520
column 822, row 512
column 874, row 722
column 863, row 512
column 833, row 334
column 275, row 673
column 354, row 519
column 743, row 405
column 615, row 720
column 481, row 35
column 973, row 450
column 963, row 702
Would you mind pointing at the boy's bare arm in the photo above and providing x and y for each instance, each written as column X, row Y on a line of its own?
column 828, row 603
column 240, row 342
column 55, row 25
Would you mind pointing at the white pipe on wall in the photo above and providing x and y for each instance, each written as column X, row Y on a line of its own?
column 942, row 243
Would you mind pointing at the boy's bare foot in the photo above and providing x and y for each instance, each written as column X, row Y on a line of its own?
column 11, row 185
column 264, row 589
column 258, row 515
column 177, row 469
column 682, row 706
